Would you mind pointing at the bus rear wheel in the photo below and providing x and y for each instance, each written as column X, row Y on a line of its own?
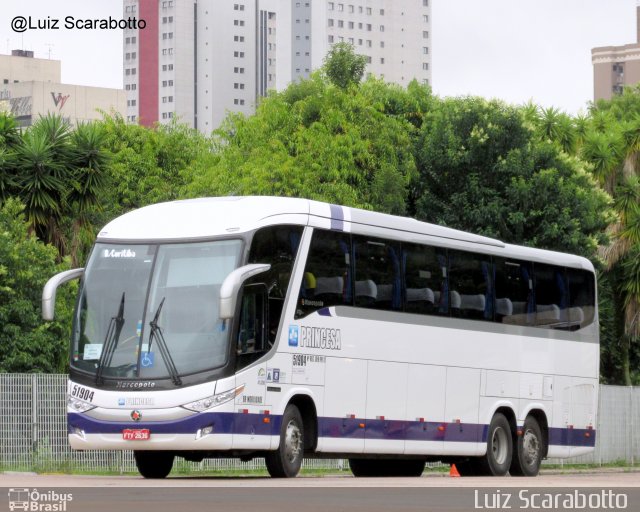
column 528, row 449
column 153, row 464
column 286, row 460
column 499, row 447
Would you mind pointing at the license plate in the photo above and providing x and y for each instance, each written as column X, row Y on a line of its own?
column 136, row 434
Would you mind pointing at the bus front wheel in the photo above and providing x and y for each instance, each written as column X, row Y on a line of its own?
column 286, row 460
column 153, row 464
column 499, row 447
column 528, row 449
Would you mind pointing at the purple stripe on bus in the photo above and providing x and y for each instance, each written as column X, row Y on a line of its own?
column 348, row 428
column 572, row 437
column 324, row 312
column 223, row 423
column 337, row 217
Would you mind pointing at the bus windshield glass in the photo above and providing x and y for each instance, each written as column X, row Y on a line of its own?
column 151, row 311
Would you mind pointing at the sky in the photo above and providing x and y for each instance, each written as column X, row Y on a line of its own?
column 514, row 50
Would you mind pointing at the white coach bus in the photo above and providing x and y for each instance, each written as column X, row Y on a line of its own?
column 287, row 328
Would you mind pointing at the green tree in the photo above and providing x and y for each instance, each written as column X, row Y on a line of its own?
column 148, row 166
column 484, row 170
column 29, row 344
column 9, row 137
column 343, row 66
column 612, row 146
column 58, row 173
column 318, row 141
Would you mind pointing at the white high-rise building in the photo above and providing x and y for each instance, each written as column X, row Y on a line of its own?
column 200, row 59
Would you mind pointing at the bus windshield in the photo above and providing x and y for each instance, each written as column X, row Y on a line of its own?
column 151, row 311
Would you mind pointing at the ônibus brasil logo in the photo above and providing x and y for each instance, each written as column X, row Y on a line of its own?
column 32, row 499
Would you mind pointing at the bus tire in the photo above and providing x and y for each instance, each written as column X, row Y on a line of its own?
column 528, row 449
column 286, row 460
column 153, row 464
column 497, row 461
column 386, row 467
column 364, row 467
column 408, row 468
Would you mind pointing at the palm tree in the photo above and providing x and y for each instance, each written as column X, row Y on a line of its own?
column 9, row 137
column 60, row 175
column 41, row 179
column 624, row 252
column 604, row 150
column 90, row 162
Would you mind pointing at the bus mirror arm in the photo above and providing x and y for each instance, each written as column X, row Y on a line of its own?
column 50, row 289
column 232, row 284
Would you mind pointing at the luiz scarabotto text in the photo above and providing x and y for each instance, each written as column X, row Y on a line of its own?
column 24, row 23
column 578, row 499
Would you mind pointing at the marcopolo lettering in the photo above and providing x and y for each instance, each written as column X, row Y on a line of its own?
column 320, row 337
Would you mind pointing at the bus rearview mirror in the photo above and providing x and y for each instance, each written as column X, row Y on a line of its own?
column 50, row 289
column 232, row 284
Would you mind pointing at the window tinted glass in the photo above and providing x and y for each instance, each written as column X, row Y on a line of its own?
column 327, row 277
column 581, row 298
column 278, row 246
column 552, row 296
column 377, row 273
column 425, row 280
column 471, row 285
column 514, row 292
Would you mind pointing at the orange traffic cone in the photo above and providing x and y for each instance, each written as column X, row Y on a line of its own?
column 453, row 472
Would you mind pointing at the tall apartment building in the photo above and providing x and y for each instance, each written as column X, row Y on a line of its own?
column 616, row 66
column 200, row 59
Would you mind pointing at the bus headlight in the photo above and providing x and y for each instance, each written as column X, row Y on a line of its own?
column 213, row 401
column 79, row 405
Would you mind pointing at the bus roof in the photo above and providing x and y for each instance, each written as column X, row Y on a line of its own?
column 203, row 218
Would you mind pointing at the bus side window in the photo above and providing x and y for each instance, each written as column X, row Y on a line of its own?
column 581, row 298
column 513, row 292
column 471, row 284
column 552, row 296
column 425, row 280
column 377, row 273
column 252, row 330
column 278, row 246
column 327, row 276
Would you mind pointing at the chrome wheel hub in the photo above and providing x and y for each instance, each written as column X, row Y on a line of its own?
column 292, row 441
column 499, row 446
column 530, row 448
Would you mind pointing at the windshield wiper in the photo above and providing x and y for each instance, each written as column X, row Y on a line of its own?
column 156, row 332
column 110, row 341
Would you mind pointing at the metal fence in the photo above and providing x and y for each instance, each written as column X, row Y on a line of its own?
column 33, row 433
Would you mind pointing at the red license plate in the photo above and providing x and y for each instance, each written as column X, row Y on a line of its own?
column 136, row 434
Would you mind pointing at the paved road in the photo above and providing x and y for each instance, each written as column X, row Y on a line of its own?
column 604, row 479
column 325, row 494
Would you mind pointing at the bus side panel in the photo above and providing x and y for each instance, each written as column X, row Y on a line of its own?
column 463, row 433
column 558, row 444
column 425, row 409
column 386, row 406
column 341, row 429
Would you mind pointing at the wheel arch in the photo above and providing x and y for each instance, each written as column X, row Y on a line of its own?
column 309, row 413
